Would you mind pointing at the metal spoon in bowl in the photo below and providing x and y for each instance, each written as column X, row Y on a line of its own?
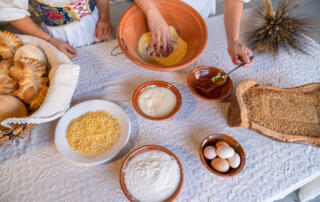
column 220, row 79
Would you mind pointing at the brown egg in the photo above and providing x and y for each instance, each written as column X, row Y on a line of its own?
column 220, row 165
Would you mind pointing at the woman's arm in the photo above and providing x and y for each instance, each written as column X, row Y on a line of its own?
column 104, row 29
column 158, row 26
column 232, row 19
column 27, row 26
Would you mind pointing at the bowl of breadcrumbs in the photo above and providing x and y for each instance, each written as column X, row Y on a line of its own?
column 92, row 132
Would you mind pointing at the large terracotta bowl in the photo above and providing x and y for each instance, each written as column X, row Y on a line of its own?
column 187, row 21
column 145, row 149
column 205, row 71
column 212, row 140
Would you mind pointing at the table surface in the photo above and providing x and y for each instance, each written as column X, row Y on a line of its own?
column 33, row 170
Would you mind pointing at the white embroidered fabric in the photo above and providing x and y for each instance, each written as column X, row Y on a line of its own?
column 63, row 77
column 33, row 170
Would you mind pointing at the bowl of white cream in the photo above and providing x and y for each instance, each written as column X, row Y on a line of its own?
column 151, row 173
column 157, row 100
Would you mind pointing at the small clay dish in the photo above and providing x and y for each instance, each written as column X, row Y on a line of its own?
column 209, row 72
column 140, row 150
column 152, row 84
column 212, row 140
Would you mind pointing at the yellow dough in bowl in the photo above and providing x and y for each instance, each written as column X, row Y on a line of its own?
column 147, row 53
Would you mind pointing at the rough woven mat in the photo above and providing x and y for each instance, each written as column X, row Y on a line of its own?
column 289, row 115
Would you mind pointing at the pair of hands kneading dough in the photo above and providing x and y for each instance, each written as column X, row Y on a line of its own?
column 178, row 49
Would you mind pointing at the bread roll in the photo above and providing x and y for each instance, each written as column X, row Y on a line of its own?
column 30, row 51
column 11, row 107
column 7, row 84
column 29, row 73
column 8, row 44
column 36, row 103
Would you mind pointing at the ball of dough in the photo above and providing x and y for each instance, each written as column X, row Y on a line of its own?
column 225, row 152
column 220, row 165
column 11, row 107
column 30, row 51
column 209, row 152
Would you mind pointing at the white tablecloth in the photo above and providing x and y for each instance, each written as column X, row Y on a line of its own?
column 33, row 170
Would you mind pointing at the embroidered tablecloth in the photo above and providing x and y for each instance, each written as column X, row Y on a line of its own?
column 33, row 170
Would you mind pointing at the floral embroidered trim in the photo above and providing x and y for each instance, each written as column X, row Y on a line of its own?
column 62, row 14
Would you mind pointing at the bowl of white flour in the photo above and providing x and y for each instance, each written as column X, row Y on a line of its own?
column 151, row 173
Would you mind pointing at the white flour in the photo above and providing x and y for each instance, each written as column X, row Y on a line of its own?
column 152, row 176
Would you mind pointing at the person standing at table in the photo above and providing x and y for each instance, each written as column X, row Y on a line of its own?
column 67, row 24
column 232, row 18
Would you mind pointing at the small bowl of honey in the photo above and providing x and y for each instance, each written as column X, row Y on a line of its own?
column 199, row 82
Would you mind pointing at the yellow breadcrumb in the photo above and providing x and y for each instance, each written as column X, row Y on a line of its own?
column 93, row 132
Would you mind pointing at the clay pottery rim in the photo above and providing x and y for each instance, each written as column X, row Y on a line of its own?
column 124, row 48
column 192, row 79
column 140, row 150
column 151, row 84
column 211, row 140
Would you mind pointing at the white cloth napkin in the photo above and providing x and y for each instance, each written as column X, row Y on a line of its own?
column 63, row 78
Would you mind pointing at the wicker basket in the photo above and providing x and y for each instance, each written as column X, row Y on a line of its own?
column 16, row 134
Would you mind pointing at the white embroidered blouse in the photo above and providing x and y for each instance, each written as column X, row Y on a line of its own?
column 80, row 33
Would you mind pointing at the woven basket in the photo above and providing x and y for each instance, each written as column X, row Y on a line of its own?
column 16, row 134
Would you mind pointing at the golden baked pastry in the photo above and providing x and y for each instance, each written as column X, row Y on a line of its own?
column 36, row 103
column 7, row 84
column 30, row 51
column 29, row 74
column 11, row 107
column 8, row 44
column 174, row 56
column 290, row 115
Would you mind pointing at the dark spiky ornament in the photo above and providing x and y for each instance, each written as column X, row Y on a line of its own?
column 279, row 29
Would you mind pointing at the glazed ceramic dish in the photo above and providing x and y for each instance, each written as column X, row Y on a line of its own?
column 80, row 109
column 188, row 23
column 212, row 140
column 205, row 71
column 152, row 84
column 145, row 149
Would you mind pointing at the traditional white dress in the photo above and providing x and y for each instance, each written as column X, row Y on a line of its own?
column 79, row 30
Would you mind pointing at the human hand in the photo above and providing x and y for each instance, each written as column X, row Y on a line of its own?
column 104, row 30
column 159, row 32
column 240, row 53
column 64, row 47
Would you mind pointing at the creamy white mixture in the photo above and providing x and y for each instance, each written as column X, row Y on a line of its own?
column 157, row 102
column 152, row 176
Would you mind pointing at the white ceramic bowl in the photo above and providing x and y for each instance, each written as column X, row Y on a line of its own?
column 80, row 109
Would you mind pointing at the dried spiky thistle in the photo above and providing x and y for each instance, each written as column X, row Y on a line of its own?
column 278, row 29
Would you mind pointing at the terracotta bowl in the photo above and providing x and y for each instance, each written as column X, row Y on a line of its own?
column 152, row 84
column 144, row 149
column 205, row 71
column 212, row 140
column 186, row 20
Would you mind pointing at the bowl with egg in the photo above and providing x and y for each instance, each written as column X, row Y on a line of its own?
column 188, row 36
column 157, row 100
column 92, row 132
column 151, row 173
column 200, row 85
column 222, row 155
